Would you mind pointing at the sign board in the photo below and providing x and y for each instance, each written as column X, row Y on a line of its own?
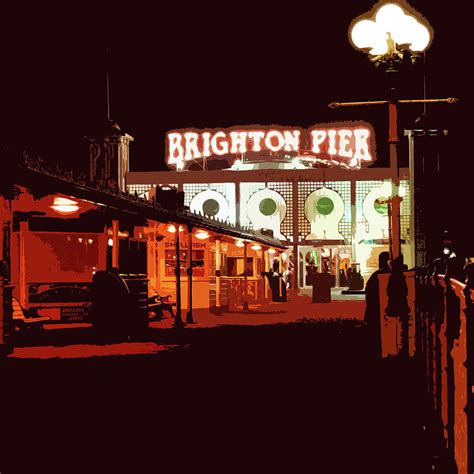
column 348, row 144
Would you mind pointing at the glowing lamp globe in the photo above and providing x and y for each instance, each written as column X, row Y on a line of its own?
column 390, row 26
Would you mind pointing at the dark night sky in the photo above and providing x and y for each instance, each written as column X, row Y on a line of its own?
column 208, row 66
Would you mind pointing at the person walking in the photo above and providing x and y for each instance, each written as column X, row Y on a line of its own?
column 372, row 304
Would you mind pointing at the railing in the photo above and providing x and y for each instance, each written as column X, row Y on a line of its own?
column 232, row 292
column 444, row 349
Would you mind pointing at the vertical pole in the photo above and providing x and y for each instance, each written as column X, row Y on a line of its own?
column 353, row 221
column 395, row 200
column 295, row 197
column 411, row 167
column 280, row 270
column 178, row 322
column 23, row 266
column 115, row 246
column 337, row 274
column 189, row 315
column 237, row 203
column 218, row 276
column 246, row 290
column 3, row 222
column 103, row 249
column 266, row 281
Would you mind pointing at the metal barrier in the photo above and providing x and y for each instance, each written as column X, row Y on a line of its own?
column 444, row 340
column 232, row 292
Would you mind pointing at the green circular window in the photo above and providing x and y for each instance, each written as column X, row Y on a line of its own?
column 324, row 206
column 268, row 206
column 381, row 205
column 210, row 207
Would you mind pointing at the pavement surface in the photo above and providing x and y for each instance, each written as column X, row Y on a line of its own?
column 296, row 396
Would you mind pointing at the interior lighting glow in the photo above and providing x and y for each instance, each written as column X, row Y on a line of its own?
column 201, row 235
column 64, row 206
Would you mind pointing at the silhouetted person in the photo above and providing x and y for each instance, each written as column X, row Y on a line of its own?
column 274, row 278
column 311, row 272
column 355, row 280
column 372, row 304
column 397, row 293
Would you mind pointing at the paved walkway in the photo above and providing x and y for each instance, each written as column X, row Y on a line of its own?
column 76, row 341
column 295, row 309
column 292, row 398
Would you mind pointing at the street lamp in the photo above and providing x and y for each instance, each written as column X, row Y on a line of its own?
column 390, row 33
column 392, row 37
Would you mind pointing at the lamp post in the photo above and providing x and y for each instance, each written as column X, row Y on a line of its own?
column 392, row 37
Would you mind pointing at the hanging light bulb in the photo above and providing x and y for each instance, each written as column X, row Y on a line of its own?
column 239, row 243
column 256, row 247
column 172, row 228
column 201, row 234
column 64, row 206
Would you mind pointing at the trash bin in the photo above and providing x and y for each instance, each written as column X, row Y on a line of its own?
column 322, row 288
column 119, row 303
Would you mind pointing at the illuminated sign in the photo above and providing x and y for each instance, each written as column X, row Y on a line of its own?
column 344, row 143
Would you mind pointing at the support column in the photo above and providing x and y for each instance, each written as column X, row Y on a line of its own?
column 266, row 281
column 353, row 221
column 5, row 277
column 280, row 270
column 178, row 322
column 115, row 246
column 218, row 276
column 23, row 267
column 338, row 263
column 103, row 246
column 246, row 289
column 189, row 271
column 295, row 197
column 411, row 167
column 395, row 198
column 237, row 203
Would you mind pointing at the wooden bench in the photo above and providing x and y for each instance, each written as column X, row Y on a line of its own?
column 21, row 321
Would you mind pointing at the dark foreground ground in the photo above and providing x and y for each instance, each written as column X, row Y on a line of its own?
column 300, row 397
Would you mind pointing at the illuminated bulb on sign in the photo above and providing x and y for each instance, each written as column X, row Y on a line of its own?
column 79, row 240
column 201, row 235
column 64, row 206
column 90, row 241
column 256, row 247
column 110, row 242
column 446, row 251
